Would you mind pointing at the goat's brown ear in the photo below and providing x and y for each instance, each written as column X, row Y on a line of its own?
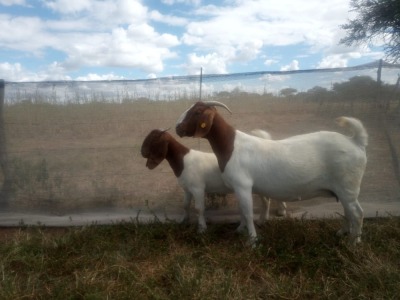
column 204, row 123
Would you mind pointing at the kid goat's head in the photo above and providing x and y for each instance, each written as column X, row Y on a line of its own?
column 198, row 119
column 155, row 147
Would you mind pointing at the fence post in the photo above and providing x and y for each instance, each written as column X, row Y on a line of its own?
column 379, row 72
column 201, row 82
column 380, row 103
column 5, row 189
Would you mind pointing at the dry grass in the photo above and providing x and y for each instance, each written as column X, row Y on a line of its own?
column 295, row 259
column 80, row 156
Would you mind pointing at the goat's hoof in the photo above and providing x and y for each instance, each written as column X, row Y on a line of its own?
column 184, row 220
column 281, row 213
column 252, row 242
column 342, row 232
column 201, row 229
column 241, row 229
column 355, row 240
column 260, row 223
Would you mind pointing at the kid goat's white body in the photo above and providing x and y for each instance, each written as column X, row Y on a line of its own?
column 200, row 175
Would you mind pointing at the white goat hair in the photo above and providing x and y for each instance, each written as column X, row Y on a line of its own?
column 297, row 168
column 197, row 172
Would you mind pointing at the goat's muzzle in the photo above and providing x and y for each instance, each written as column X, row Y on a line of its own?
column 151, row 164
column 179, row 130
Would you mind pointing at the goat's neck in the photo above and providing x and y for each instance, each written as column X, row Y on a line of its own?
column 221, row 137
column 175, row 154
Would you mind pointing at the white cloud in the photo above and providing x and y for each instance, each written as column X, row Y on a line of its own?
column 93, row 76
column 17, row 33
column 272, row 22
column 211, row 64
column 248, row 50
column 167, row 19
column 16, row 72
column 270, row 62
column 99, row 15
column 188, row 2
column 55, row 71
column 340, row 59
column 13, row 2
column 135, row 47
column 293, row 66
column 120, row 12
column 10, row 72
column 241, row 30
column 131, row 34
column 333, row 61
column 69, row 6
column 89, row 36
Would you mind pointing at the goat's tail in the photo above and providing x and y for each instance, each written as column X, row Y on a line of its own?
column 360, row 135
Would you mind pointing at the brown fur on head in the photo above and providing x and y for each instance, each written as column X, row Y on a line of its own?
column 196, row 121
column 204, row 122
column 155, row 147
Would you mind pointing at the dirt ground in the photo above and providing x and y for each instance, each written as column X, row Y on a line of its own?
column 155, row 194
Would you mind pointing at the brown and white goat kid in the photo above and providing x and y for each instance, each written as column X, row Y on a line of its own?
column 297, row 168
column 197, row 172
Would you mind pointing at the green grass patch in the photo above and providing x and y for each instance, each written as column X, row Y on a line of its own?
column 300, row 259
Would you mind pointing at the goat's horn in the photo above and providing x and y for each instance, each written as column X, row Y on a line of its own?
column 216, row 103
column 165, row 130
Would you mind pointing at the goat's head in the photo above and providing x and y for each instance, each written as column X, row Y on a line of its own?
column 198, row 119
column 155, row 147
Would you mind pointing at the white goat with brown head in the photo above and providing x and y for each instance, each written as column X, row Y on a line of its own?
column 197, row 172
column 301, row 167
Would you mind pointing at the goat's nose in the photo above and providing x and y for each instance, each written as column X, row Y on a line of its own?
column 179, row 131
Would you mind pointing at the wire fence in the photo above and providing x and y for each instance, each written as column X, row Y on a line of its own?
column 75, row 146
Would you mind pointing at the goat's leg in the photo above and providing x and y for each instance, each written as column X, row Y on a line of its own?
column 245, row 199
column 243, row 223
column 357, row 216
column 242, row 226
column 265, row 206
column 187, row 198
column 200, row 207
column 346, row 223
column 281, row 209
column 354, row 220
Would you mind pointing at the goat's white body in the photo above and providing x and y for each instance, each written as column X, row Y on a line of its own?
column 201, row 171
column 301, row 167
column 201, row 175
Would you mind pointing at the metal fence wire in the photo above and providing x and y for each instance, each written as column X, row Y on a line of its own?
column 74, row 147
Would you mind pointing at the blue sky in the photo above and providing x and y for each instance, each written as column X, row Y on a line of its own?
column 132, row 39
